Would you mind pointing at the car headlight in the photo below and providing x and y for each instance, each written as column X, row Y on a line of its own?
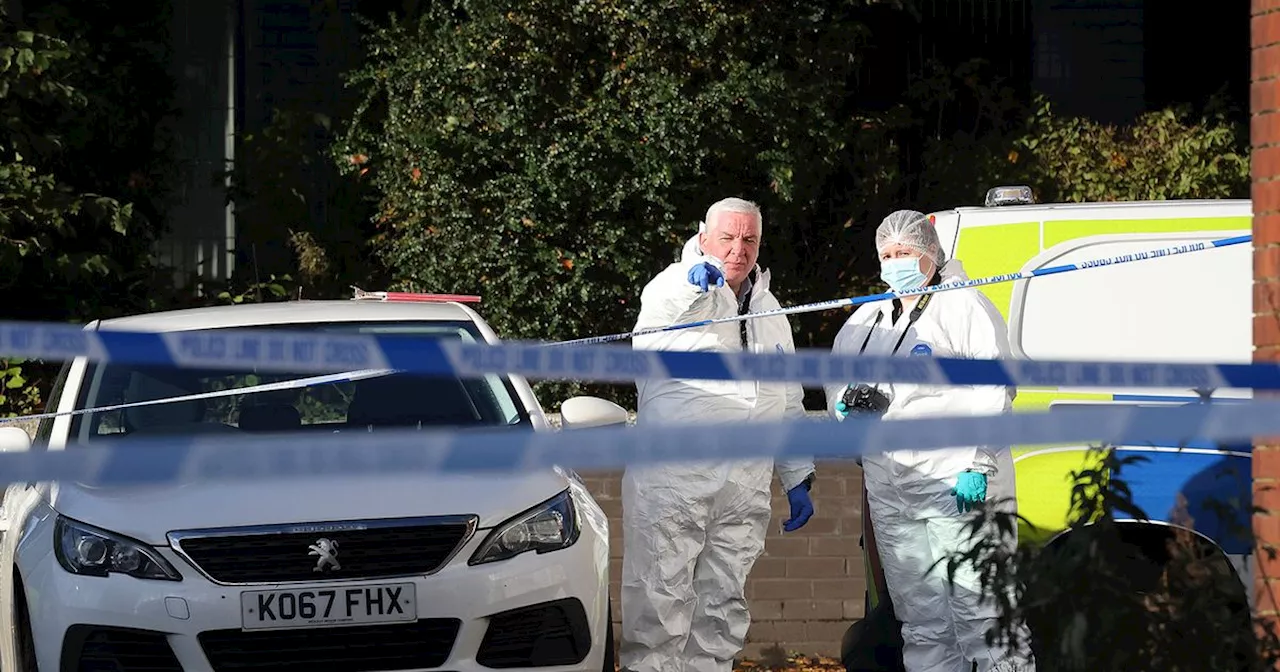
column 549, row 526
column 84, row 549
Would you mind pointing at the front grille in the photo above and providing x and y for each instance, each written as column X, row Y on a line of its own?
column 90, row 648
column 284, row 554
column 401, row 646
column 544, row 635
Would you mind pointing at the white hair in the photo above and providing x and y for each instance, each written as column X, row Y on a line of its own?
column 733, row 205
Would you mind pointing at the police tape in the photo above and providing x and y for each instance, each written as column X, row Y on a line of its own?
column 175, row 459
column 310, row 352
column 1127, row 258
column 279, row 386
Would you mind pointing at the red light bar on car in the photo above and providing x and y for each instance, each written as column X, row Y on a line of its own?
column 361, row 295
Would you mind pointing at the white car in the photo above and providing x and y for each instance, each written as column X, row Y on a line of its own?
column 388, row 572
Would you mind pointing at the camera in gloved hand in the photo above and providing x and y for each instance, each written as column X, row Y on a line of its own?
column 862, row 398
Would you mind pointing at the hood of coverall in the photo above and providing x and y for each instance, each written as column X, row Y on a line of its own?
column 953, row 271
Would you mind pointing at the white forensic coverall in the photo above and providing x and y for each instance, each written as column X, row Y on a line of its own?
column 915, row 516
column 693, row 531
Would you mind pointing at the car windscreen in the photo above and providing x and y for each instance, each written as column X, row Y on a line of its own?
column 251, row 401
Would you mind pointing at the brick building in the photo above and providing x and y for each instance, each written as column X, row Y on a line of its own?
column 1265, row 138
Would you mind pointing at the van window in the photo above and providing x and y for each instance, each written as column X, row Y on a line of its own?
column 1189, row 307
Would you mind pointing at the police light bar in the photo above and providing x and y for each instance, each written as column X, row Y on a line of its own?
column 1009, row 195
column 412, row 297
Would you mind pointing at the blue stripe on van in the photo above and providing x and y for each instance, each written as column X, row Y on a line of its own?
column 1209, row 485
column 1167, row 398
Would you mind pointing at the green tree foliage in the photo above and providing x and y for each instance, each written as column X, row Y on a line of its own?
column 556, row 156
column 1165, row 154
column 83, row 89
column 1173, row 153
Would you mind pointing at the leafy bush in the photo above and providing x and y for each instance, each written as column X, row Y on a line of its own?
column 83, row 89
column 1096, row 600
column 1166, row 154
column 555, row 157
column 84, row 159
column 966, row 118
column 1163, row 155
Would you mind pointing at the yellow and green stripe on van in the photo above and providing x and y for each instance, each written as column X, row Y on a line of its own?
column 1004, row 248
column 1044, row 472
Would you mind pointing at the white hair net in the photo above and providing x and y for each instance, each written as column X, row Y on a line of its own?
column 913, row 230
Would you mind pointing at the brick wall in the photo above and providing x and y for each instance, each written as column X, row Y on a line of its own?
column 809, row 585
column 1265, row 136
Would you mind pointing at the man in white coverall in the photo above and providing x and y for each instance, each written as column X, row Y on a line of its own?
column 920, row 501
column 692, row 531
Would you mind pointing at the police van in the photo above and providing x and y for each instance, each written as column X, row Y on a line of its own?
column 1191, row 307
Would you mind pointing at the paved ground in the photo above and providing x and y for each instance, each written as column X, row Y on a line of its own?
column 781, row 662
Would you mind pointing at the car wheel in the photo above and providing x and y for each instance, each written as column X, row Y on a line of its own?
column 610, row 656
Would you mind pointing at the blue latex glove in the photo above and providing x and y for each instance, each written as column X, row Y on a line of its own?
column 801, row 507
column 971, row 488
column 842, row 409
column 704, row 275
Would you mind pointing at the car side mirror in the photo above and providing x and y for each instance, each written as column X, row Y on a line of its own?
column 14, row 440
column 583, row 412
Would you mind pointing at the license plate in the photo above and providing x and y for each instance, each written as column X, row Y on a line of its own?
column 318, row 607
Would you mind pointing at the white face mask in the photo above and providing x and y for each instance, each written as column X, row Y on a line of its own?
column 902, row 274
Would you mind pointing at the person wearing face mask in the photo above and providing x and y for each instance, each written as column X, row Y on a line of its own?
column 693, row 531
column 920, row 502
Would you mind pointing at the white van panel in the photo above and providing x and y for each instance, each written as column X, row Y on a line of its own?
column 1182, row 308
column 947, row 224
